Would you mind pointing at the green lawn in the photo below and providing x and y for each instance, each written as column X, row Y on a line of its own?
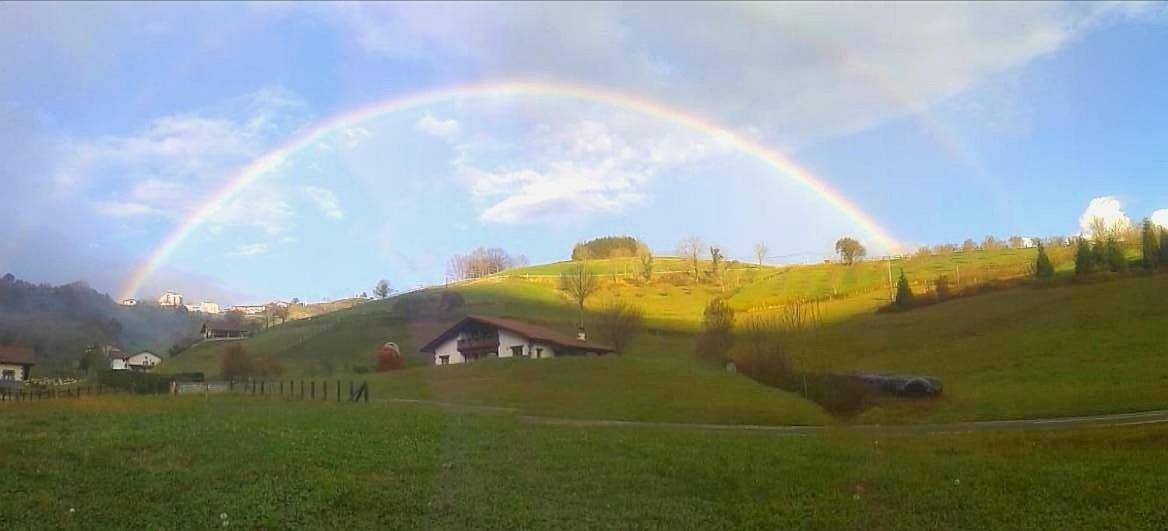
column 161, row 463
column 1026, row 352
column 617, row 388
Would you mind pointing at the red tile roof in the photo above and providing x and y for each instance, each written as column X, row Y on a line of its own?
column 524, row 329
column 16, row 355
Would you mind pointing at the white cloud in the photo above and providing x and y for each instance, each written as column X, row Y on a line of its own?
column 795, row 71
column 250, row 249
column 324, row 199
column 438, row 127
column 576, row 168
column 1160, row 217
column 267, row 211
column 1107, row 208
column 124, row 209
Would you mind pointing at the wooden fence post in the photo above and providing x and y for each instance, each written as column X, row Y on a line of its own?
column 312, row 389
column 350, row 390
column 338, row 390
column 262, row 382
column 324, row 388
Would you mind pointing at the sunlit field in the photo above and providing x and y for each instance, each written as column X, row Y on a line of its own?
column 255, row 463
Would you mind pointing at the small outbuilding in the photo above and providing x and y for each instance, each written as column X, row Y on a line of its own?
column 215, row 330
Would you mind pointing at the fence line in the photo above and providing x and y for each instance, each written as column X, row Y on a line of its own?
column 357, row 392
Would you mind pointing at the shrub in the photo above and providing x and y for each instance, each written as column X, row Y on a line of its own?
column 1084, row 258
column 904, row 294
column 942, row 288
column 716, row 336
column 1043, row 268
column 235, row 363
column 135, row 382
column 360, row 369
column 268, row 367
column 618, row 322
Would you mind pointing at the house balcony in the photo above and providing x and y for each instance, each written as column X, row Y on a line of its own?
column 478, row 343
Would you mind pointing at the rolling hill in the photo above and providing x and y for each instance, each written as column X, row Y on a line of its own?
column 974, row 344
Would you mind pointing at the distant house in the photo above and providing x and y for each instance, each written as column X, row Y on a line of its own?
column 170, row 299
column 143, row 361
column 129, row 302
column 117, row 358
column 223, row 330
column 480, row 337
column 209, row 307
column 255, row 309
column 15, row 364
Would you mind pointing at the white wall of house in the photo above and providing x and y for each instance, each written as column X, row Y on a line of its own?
column 17, row 371
column 507, row 340
column 148, row 359
column 118, row 364
column 449, row 350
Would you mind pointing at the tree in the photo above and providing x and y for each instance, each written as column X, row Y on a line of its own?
column 717, row 334
column 1017, row 242
column 1113, row 255
column 268, row 367
column 761, row 250
column 1164, row 246
column 1084, row 258
column 93, row 360
column 942, row 288
column 850, row 250
column 1150, row 244
column 235, row 363
column 579, row 283
column 716, row 260
column 968, row 246
column 692, row 249
column 382, row 290
column 646, row 266
column 990, row 243
column 1043, row 268
column 904, row 294
column 618, row 323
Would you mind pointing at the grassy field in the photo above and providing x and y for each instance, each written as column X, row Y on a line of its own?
column 151, row 463
column 1026, row 352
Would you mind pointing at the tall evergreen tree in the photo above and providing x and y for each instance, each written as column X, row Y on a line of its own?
column 1150, row 244
column 1043, row 268
column 1164, row 246
column 1084, row 258
column 904, row 294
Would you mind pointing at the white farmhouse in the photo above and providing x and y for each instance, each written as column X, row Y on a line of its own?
column 15, row 364
column 209, row 307
column 170, row 299
column 479, row 337
column 129, row 302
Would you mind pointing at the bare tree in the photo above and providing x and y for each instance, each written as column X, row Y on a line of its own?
column 578, row 283
column 717, row 259
column 693, row 249
column 618, row 323
column 761, row 250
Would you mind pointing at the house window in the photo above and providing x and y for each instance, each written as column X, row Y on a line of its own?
column 9, row 374
column 538, row 352
column 517, row 351
column 444, row 360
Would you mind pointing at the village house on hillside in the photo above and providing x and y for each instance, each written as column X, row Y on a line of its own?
column 170, row 299
column 143, row 361
column 480, row 337
column 215, row 330
column 15, row 365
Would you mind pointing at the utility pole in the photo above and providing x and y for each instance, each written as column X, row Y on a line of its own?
column 890, row 296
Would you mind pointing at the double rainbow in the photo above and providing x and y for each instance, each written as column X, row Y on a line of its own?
column 273, row 159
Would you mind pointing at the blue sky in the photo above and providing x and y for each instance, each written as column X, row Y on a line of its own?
column 942, row 122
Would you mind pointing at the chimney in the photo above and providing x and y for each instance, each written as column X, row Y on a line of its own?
column 580, row 334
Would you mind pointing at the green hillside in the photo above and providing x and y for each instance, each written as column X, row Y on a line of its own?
column 1018, row 352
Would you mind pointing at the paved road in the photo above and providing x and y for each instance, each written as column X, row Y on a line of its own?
column 1095, row 421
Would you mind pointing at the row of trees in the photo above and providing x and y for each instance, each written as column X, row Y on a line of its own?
column 1105, row 251
column 609, row 247
column 482, row 262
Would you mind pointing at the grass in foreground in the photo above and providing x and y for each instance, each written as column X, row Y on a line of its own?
column 178, row 462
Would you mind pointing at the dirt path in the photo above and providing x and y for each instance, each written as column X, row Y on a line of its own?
column 1094, row 421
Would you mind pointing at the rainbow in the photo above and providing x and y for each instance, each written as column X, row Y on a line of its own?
column 273, row 159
